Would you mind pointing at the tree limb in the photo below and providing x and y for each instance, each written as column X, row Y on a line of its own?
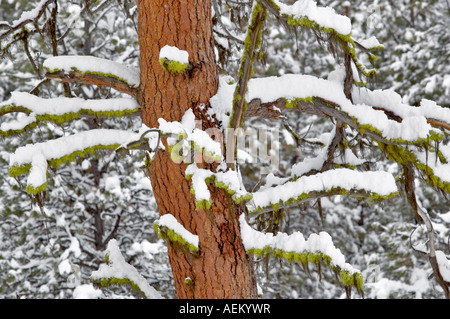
column 92, row 79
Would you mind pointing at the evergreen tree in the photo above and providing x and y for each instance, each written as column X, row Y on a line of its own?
column 375, row 148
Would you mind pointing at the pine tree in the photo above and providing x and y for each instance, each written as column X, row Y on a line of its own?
column 184, row 103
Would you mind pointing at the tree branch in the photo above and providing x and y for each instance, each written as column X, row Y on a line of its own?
column 92, row 79
column 20, row 23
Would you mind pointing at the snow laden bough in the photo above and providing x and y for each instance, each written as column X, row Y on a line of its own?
column 318, row 249
column 35, row 158
column 168, row 228
column 90, row 69
column 117, row 272
column 377, row 185
column 59, row 110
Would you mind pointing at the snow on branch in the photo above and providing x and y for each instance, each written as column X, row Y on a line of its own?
column 167, row 227
column 306, row 14
column 183, row 137
column 93, row 70
column 374, row 184
column 327, row 98
column 433, row 163
column 229, row 181
column 174, row 60
column 317, row 249
column 34, row 158
column 60, row 110
column 25, row 18
column 117, row 271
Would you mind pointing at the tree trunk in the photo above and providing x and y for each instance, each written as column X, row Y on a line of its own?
column 221, row 269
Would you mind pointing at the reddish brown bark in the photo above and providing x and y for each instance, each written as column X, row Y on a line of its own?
column 221, row 269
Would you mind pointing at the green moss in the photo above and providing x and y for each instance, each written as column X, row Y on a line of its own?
column 174, row 67
column 113, row 281
column 203, row 204
column 346, row 278
column 108, row 75
column 170, row 235
column 15, row 171
column 305, row 258
column 58, row 118
column 292, row 103
column 36, row 190
column 403, row 156
column 188, row 281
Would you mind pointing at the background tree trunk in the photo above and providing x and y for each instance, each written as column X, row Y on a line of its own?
column 221, row 269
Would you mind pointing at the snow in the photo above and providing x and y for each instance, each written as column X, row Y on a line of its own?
column 371, row 43
column 63, row 105
column 38, row 171
column 28, row 15
column 378, row 182
column 198, row 177
column 93, row 65
column 118, row 268
column 172, row 53
column 325, row 17
column 296, row 86
column 222, row 102
column 185, row 132
column 392, row 101
column 295, row 242
column 292, row 86
column 60, row 106
column 169, row 221
column 64, row 267
column 87, row 291
column 38, row 154
column 229, row 179
column 58, row 148
column 444, row 265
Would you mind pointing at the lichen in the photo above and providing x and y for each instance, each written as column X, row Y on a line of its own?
column 113, row 281
column 58, row 118
column 170, row 235
column 17, row 170
column 348, row 279
column 36, row 190
column 173, row 67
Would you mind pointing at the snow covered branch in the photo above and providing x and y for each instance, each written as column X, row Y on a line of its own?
column 306, row 14
column 374, row 184
column 326, row 98
column 25, row 18
column 34, row 158
column 117, row 271
column 169, row 228
column 94, row 71
column 317, row 249
column 406, row 133
column 60, row 110
column 229, row 181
